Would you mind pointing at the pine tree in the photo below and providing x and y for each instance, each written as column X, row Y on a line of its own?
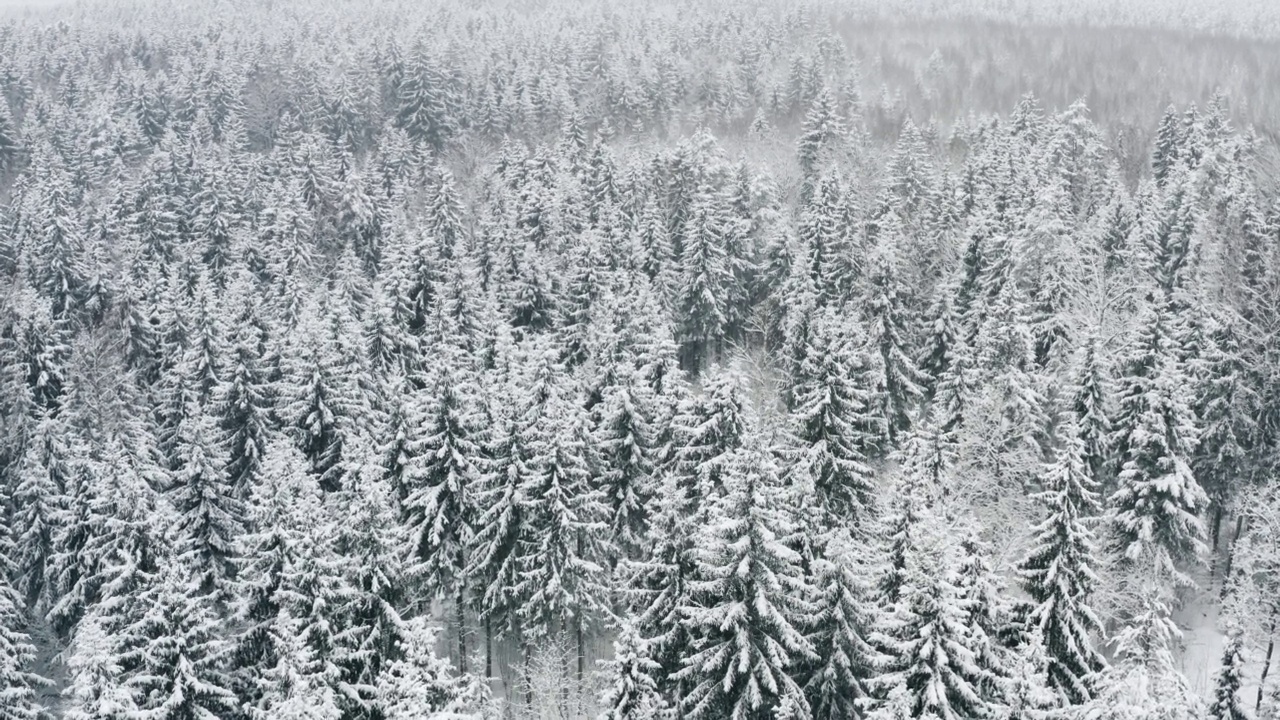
column 1057, row 572
column 1091, row 416
column 10, row 141
column 839, row 631
column 172, row 653
column 1143, row 680
column 18, row 684
column 625, row 434
column 836, row 423
column 991, row 620
column 369, row 549
column 1226, row 696
column 827, row 232
column 284, row 503
column 45, row 472
column 632, row 692
column 748, row 601
column 426, row 104
column 900, row 388
column 318, row 393
column 933, row 669
column 940, row 345
column 561, row 549
column 1167, row 146
column 821, row 128
column 493, row 558
column 133, row 522
column 243, row 397
column 705, row 276
column 295, row 687
column 442, row 477
column 1155, row 512
column 209, row 515
column 95, row 690
column 1225, row 405
column 419, row 685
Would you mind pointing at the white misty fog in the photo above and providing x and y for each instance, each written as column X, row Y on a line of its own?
column 697, row 360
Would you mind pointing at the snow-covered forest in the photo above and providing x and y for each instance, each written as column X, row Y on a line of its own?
column 766, row 360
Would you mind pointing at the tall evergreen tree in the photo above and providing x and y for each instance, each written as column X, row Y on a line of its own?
column 1057, row 572
column 173, row 652
column 209, row 515
column 1226, row 703
column 18, row 684
column 836, row 423
column 705, row 276
column 839, row 630
column 748, row 601
column 900, row 385
column 1155, row 512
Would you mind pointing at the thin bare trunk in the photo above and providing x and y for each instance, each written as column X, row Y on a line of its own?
column 1217, row 524
column 1266, row 663
column 488, row 650
column 461, row 618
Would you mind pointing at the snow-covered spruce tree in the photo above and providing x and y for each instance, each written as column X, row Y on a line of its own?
column 938, row 355
column 243, row 397
column 827, row 234
column 923, row 477
column 1027, row 696
column 295, row 686
column 1057, row 572
column 209, row 515
column 706, row 429
column 1227, row 704
column 562, row 548
column 18, row 684
column 10, row 141
column 418, row 685
column 369, row 548
column 701, row 296
column 46, row 467
column 1092, row 394
column 492, row 565
column 704, row 433
column 933, row 667
column 660, row 584
column 899, row 385
column 284, row 505
column 1143, row 681
column 838, row 629
column 632, row 689
column 1155, row 511
column 991, row 619
column 836, row 425
column 172, row 653
column 320, row 395
column 95, row 689
column 1226, row 406
column 442, row 479
column 748, row 601
column 822, row 128
column 626, row 439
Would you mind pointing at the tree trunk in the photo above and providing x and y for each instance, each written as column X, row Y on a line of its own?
column 1266, row 663
column 1217, row 524
column 582, row 653
column 488, row 650
column 461, row 618
column 528, row 674
column 1231, row 554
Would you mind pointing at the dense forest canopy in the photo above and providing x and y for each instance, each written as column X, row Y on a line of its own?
column 378, row 360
